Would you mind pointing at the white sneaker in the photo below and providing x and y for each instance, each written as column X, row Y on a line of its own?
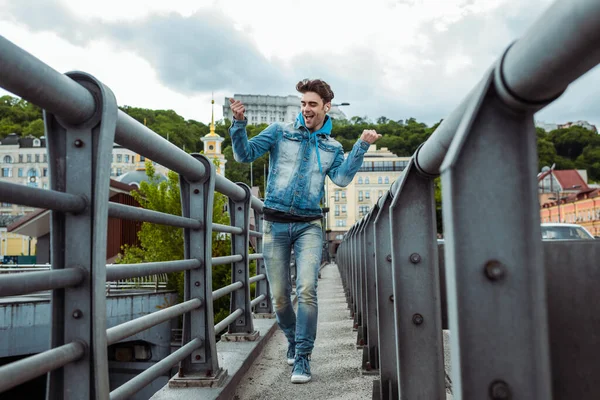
column 301, row 372
column 291, row 354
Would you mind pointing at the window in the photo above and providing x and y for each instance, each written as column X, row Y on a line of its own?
column 360, row 195
column 337, row 196
column 28, row 158
column 5, row 205
column 37, row 158
column 387, row 180
column 32, row 177
column 343, row 209
column 45, row 172
column 126, row 158
column 337, row 210
column 367, row 180
column 380, row 180
column 7, row 172
column 119, row 171
column 340, row 222
column 367, row 195
column 119, row 157
column 7, row 160
column 380, row 193
column 360, row 181
column 20, row 158
column 343, row 194
column 45, row 158
column 20, row 173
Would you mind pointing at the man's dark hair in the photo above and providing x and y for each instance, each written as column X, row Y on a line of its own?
column 318, row 86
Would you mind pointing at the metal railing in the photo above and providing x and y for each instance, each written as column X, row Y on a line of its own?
column 82, row 122
column 514, row 307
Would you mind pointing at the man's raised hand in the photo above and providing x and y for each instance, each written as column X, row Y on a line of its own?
column 238, row 109
column 369, row 136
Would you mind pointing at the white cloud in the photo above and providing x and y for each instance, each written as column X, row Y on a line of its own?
column 399, row 58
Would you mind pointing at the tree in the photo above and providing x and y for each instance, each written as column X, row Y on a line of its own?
column 165, row 243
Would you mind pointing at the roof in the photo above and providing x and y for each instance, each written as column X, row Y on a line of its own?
column 37, row 223
column 570, row 179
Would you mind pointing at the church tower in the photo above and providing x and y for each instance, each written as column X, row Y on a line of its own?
column 212, row 144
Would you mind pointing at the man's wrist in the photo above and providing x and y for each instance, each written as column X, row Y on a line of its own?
column 363, row 144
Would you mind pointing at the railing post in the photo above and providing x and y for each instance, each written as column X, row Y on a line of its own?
column 243, row 327
column 201, row 368
column 265, row 307
column 416, row 286
column 360, row 268
column 370, row 354
column 494, row 263
column 79, row 163
column 386, row 388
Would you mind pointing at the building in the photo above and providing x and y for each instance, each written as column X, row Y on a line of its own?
column 12, row 244
column 554, row 185
column 265, row 109
column 583, row 124
column 212, row 144
column 566, row 197
column 349, row 204
column 552, row 126
column 36, row 227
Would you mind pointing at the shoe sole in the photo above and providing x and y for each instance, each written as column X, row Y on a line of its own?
column 300, row 379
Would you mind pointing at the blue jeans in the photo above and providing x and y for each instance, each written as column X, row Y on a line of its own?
column 306, row 238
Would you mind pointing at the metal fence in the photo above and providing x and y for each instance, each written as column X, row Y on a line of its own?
column 82, row 123
column 522, row 314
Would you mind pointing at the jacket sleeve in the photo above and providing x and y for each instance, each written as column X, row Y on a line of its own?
column 342, row 170
column 245, row 150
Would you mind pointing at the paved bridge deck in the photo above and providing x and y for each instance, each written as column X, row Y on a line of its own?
column 335, row 366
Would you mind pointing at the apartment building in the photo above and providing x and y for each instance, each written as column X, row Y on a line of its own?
column 349, row 204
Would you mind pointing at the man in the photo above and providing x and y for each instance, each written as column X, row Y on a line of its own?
column 301, row 155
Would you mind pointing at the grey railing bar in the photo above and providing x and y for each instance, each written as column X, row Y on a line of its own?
column 230, row 318
column 255, row 233
column 256, row 256
column 134, row 385
column 217, row 294
column 117, row 210
column 40, row 198
column 227, row 229
column 124, row 271
column 257, row 278
column 562, row 45
column 28, row 77
column 24, row 370
column 227, row 259
column 129, row 328
column 141, row 139
column 17, row 284
column 257, row 300
column 430, row 155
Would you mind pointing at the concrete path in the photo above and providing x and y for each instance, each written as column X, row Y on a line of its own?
column 335, row 364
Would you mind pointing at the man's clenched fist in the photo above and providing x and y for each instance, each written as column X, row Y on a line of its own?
column 369, row 136
column 238, row 109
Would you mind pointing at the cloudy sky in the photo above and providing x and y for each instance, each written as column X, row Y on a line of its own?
column 397, row 58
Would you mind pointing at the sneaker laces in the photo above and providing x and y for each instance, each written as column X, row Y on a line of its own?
column 302, row 364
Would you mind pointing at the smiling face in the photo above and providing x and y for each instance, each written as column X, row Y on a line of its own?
column 314, row 110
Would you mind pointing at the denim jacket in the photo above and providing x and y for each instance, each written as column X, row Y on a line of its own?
column 296, row 170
